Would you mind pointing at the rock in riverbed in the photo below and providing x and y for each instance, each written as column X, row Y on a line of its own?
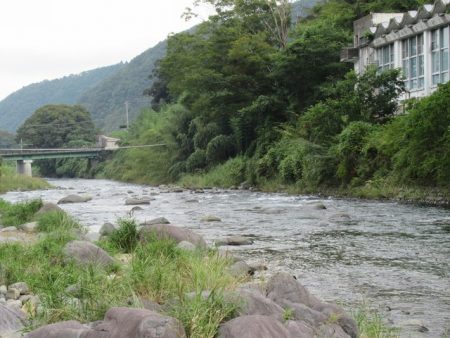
column 74, row 199
column 86, row 253
column 168, row 231
column 234, row 240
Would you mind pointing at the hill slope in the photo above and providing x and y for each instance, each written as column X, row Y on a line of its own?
column 18, row 106
column 106, row 101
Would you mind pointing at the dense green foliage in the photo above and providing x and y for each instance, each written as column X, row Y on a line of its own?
column 18, row 106
column 234, row 104
column 59, row 126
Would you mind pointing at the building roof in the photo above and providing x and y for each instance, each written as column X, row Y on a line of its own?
column 409, row 23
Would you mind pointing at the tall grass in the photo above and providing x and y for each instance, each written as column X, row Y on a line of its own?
column 158, row 271
column 371, row 324
column 19, row 213
column 10, row 181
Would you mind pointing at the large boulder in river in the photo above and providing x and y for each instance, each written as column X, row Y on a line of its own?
column 168, row 231
column 234, row 240
column 86, row 253
column 74, row 199
column 11, row 320
column 137, row 201
column 158, row 220
column 284, row 287
column 48, row 207
column 254, row 326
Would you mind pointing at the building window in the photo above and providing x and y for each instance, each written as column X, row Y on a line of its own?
column 413, row 62
column 385, row 57
column 439, row 55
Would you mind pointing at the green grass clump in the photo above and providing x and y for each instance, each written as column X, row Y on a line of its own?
column 125, row 238
column 371, row 324
column 19, row 213
column 56, row 221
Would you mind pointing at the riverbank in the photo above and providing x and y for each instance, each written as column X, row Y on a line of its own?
column 10, row 181
column 198, row 290
column 383, row 189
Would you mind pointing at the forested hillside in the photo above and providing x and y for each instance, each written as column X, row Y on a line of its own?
column 18, row 106
column 249, row 97
column 106, row 101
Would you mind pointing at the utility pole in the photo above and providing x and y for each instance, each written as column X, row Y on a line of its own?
column 126, row 112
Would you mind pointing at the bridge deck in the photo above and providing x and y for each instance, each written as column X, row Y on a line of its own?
column 40, row 154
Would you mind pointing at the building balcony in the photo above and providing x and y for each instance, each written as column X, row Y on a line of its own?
column 349, row 54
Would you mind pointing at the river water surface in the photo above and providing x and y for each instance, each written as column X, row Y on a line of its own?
column 393, row 257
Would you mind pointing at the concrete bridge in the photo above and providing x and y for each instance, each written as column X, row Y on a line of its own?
column 24, row 157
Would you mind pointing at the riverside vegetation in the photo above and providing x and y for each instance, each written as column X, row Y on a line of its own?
column 246, row 98
column 154, row 270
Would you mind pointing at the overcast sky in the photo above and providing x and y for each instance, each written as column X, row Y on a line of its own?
column 48, row 39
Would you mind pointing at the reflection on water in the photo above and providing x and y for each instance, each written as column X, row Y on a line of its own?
column 394, row 257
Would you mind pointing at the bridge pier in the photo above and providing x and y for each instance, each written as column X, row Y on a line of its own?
column 23, row 167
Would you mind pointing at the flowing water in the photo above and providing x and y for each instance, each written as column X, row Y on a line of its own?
column 393, row 257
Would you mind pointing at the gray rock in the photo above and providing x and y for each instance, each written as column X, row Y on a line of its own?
column 12, row 293
column 29, row 227
column 3, row 289
column 137, row 201
column 234, row 240
column 185, row 245
column 331, row 331
column 347, row 323
column 255, row 326
column 168, row 231
column 14, row 303
column 12, row 229
column 86, row 253
column 48, row 207
column 92, row 236
column 240, row 269
column 340, row 217
column 10, row 320
column 21, row 286
column 210, row 218
column 74, row 199
column 107, row 229
column 304, row 313
column 136, row 208
column 159, row 220
column 136, row 323
column 299, row 329
column 283, row 286
column 252, row 302
column 319, row 206
column 68, row 329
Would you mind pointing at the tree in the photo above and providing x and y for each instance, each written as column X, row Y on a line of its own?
column 57, row 126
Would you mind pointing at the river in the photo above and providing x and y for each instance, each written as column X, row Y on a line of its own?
column 393, row 257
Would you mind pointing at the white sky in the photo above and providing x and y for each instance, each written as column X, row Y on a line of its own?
column 48, row 39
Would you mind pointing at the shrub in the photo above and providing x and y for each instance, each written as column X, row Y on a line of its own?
column 56, row 220
column 424, row 152
column 125, row 238
column 349, row 149
column 197, row 160
column 220, row 149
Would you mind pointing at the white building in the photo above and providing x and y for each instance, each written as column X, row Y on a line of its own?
column 417, row 42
